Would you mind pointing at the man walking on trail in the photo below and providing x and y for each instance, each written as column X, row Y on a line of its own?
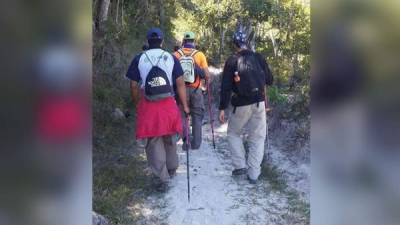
column 195, row 68
column 153, row 73
column 245, row 74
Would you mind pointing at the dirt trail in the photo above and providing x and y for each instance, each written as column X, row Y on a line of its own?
column 216, row 197
column 219, row 199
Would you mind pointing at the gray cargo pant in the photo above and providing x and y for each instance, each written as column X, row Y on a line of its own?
column 196, row 104
column 254, row 117
column 161, row 155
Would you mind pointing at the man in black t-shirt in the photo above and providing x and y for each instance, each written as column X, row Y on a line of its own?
column 245, row 74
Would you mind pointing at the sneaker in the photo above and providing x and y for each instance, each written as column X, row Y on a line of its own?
column 172, row 172
column 185, row 146
column 162, row 187
column 238, row 172
column 252, row 181
column 158, row 185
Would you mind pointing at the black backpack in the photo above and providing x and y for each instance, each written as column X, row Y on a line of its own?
column 157, row 85
column 252, row 76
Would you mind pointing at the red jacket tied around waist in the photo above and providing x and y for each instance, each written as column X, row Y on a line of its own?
column 157, row 118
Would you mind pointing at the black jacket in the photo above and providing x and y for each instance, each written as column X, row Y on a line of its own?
column 228, row 85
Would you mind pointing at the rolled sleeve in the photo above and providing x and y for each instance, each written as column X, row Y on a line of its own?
column 226, row 84
column 177, row 71
column 133, row 70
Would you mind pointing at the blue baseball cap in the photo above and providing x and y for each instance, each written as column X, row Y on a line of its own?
column 155, row 33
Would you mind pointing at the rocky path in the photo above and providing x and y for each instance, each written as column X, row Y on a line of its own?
column 216, row 197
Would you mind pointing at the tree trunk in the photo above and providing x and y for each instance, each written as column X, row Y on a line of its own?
column 122, row 13
column 104, row 6
column 116, row 15
column 275, row 47
column 102, row 13
column 221, row 44
column 295, row 78
column 162, row 14
column 256, row 34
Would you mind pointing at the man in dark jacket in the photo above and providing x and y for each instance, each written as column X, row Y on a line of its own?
column 245, row 74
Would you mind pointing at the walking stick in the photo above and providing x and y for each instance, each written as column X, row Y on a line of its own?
column 187, row 156
column 210, row 112
column 266, row 119
column 187, row 164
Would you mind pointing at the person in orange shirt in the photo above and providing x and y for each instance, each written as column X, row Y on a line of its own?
column 195, row 67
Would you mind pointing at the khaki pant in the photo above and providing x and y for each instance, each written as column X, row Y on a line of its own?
column 252, row 116
column 161, row 156
column 196, row 103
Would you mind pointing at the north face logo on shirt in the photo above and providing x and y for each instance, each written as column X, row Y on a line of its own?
column 157, row 81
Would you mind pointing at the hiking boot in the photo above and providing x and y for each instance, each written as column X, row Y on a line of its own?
column 238, row 172
column 252, row 181
column 162, row 187
column 172, row 172
column 158, row 185
column 195, row 148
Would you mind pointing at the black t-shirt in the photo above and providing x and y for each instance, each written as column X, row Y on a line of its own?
column 228, row 85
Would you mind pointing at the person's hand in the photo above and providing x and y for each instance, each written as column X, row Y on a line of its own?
column 186, row 109
column 222, row 116
column 267, row 106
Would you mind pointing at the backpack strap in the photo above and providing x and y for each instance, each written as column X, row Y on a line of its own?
column 159, row 58
column 151, row 62
column 180, row 52
column 194, row 52
column 148, row 58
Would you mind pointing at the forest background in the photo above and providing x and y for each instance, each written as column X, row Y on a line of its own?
column 282, row 36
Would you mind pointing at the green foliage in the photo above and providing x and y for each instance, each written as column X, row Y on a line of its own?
column 275, row 97
column 277, row 182
column 119, row 177
column 299, row 207
column 274, row 177
column 114, row 188
column 258, row 10
column 282, row 36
